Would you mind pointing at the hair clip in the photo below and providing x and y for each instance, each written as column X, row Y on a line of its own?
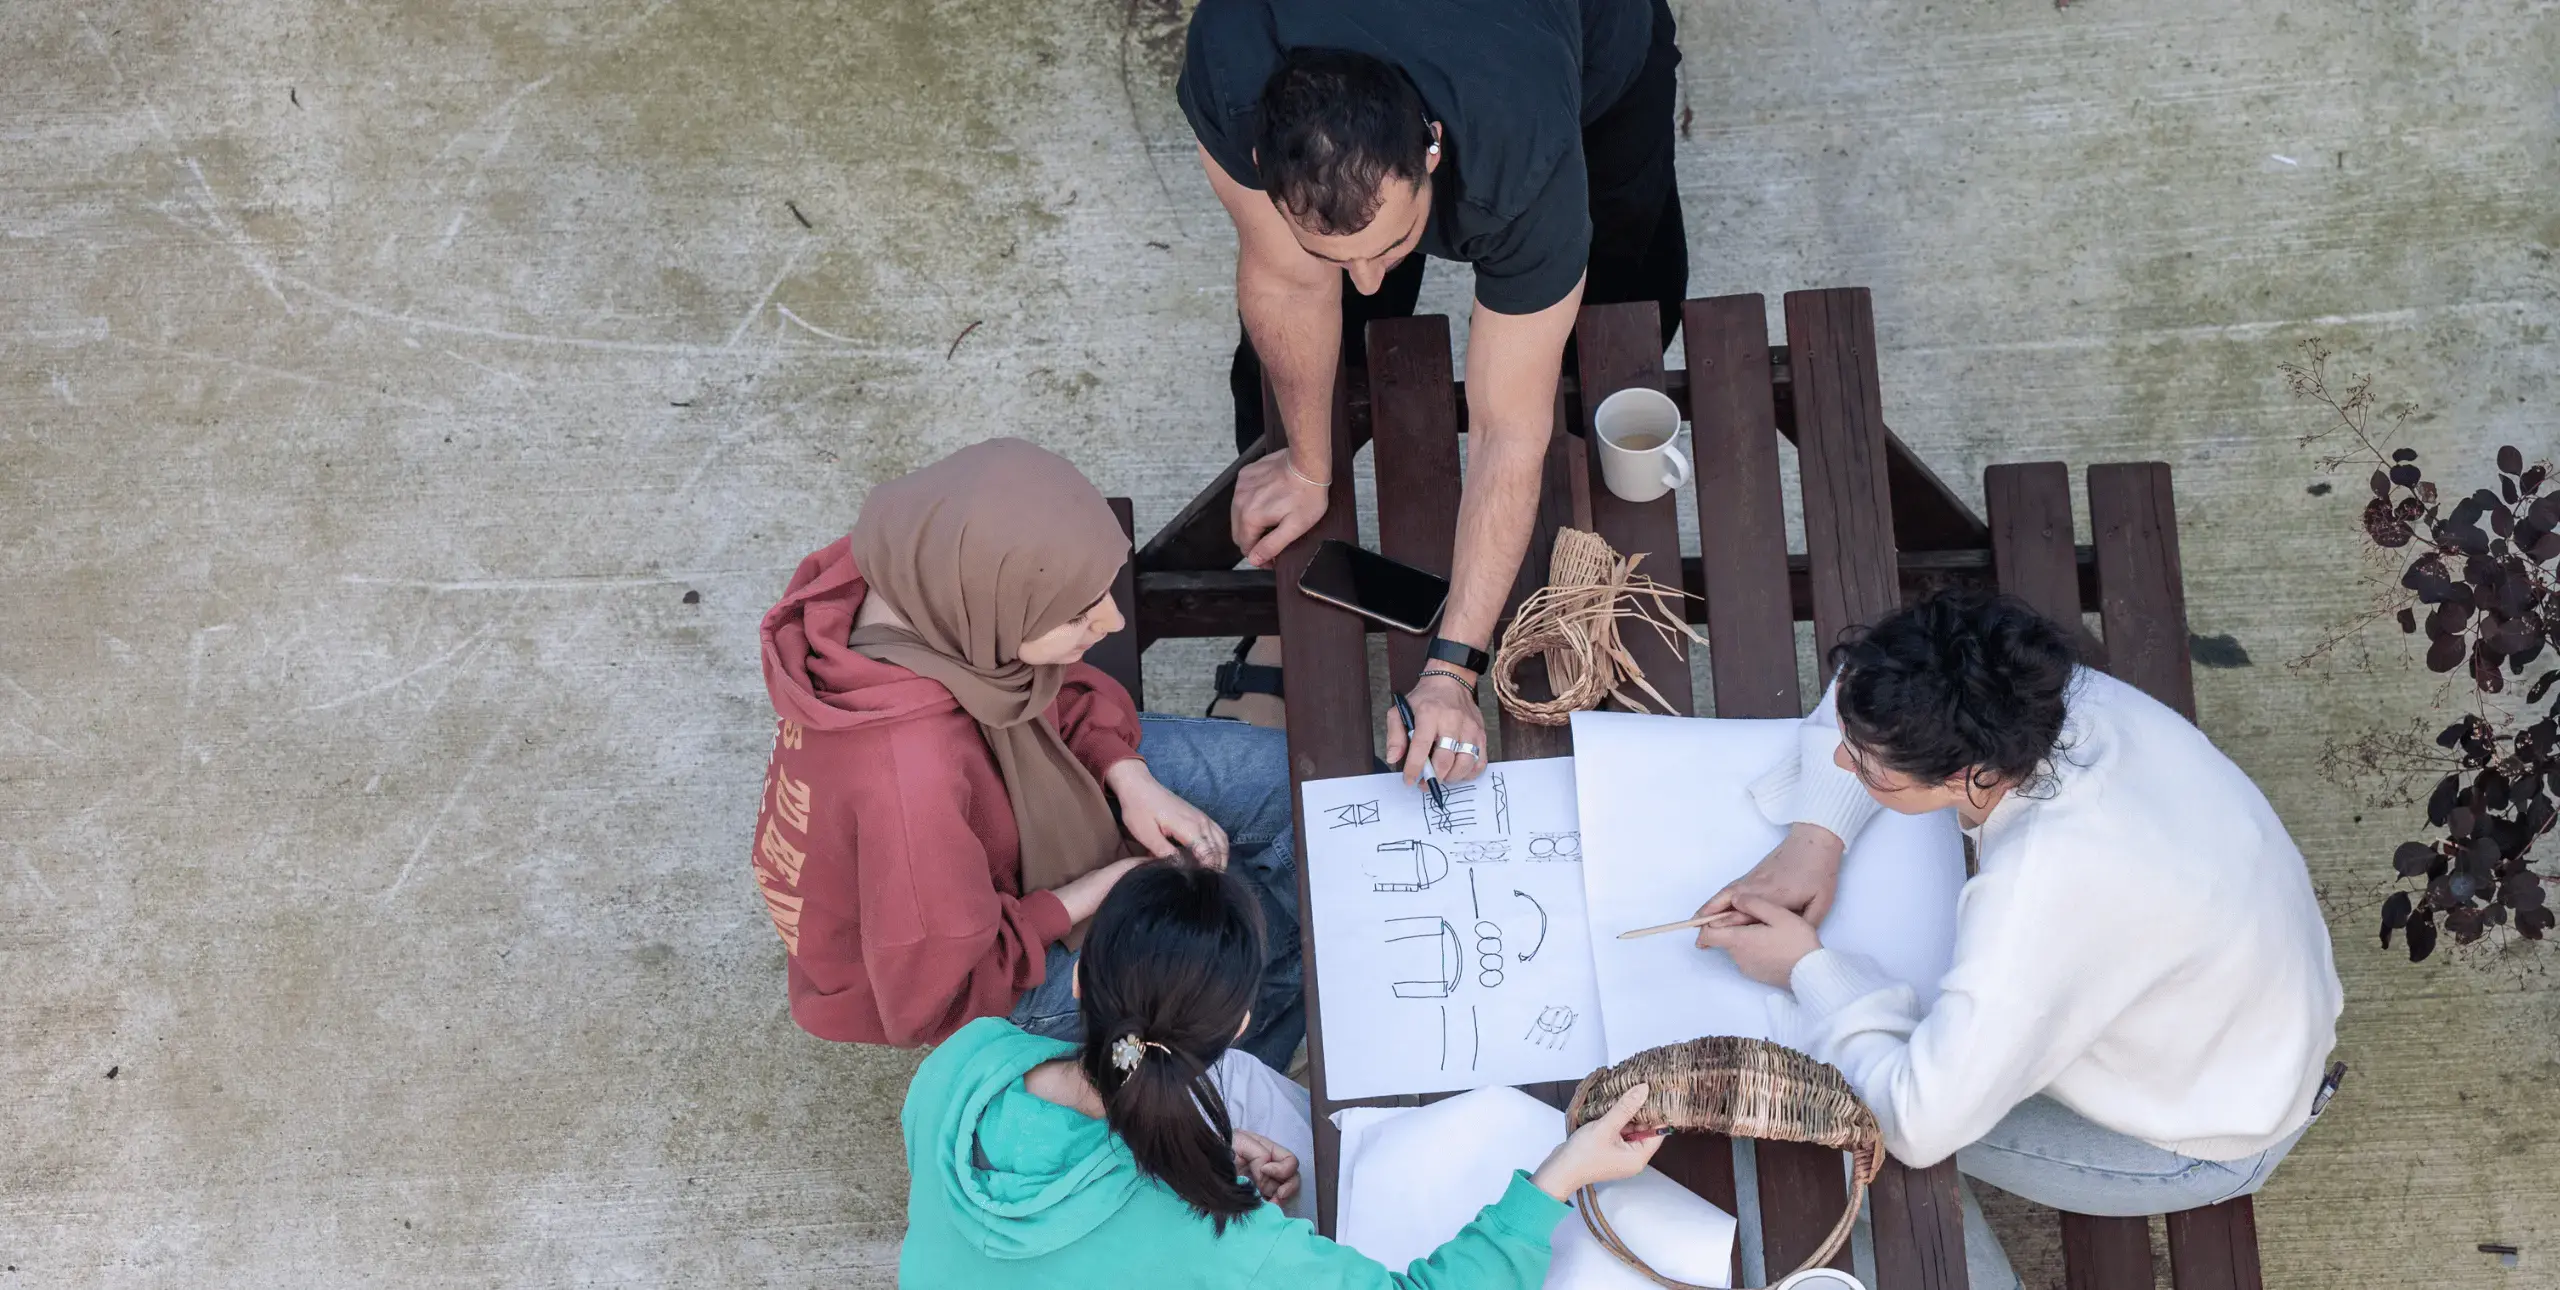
column 1129, row 1050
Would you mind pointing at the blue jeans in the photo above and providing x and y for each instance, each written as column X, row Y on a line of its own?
column 2044, row 1152
column 1238, row 775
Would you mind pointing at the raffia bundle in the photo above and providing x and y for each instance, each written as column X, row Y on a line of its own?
column 1573, row 622
column 1747, row 1088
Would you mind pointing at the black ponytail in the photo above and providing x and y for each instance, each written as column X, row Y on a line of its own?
column 1170, row 968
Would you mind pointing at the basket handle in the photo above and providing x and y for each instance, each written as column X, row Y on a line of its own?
column 1598, row 1225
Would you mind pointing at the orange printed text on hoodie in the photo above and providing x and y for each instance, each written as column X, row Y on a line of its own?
column 886, row 847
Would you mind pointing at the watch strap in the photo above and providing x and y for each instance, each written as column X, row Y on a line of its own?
column 1464, row 655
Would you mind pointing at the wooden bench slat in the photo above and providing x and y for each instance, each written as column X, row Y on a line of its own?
column 1620, row 347
column 1414, row 403
column 1117, row 653
column 2216, row 1247
column 1742, row 523
column 2103, row 1253
column 1919, row 1228
column 1520, row 739
column 2142, row 595
column 1330, row 733
column 2030, row 511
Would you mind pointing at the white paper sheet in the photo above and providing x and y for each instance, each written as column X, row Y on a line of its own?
column 1675, row 1231
column 1452, row 946
column 1412, row 1176
column 1667, row 819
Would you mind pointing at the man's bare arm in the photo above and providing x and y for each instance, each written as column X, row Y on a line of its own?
column 1512, row 364
column 1292, row 307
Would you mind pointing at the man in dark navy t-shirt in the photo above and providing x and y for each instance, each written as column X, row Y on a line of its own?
column 1348, row 140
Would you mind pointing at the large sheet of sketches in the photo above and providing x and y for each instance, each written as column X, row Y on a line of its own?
column 1452, row 945
column 1667, row 819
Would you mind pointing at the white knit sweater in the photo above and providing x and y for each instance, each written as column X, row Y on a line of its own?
column 2140, row 944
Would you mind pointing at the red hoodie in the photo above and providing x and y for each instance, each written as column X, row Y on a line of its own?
column 885, row 845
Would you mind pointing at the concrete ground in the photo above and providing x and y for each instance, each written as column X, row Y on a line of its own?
column 406, row 411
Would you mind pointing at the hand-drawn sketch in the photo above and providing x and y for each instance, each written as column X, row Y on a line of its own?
column 1501, row 803
column 1489, row 960
column 1553, row 1023
column 1442, row 956
column 1555, row 846
column 1351, row 815
column 1407, row 865
column 1487, row 851
column 1475, row 1037
column 1532, row 951
column 1459, row 813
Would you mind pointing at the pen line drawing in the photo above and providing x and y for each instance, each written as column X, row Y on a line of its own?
column 1475, row 902
column 1475, row 1037
column 1501, row 804
column 1447, row 957
column 1552, row 1024
column 1352, row 815
column 1542, row 923
column 1421, row 869
column 1489, row 961
column 1483, row 851
column 1556, row 846
column 1456, row 810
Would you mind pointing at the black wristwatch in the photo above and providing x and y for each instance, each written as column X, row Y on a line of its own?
column 1467, row 656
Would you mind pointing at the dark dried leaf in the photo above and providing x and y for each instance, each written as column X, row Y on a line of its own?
column 2404, row 475
column 2493, row 789
column 2448, row 620
column 2382, row 484
column 2510, row 461
column 2532, row 923
column 2445, row 654
column 2545, row 512
column 2541, row 684
column 2460, row 887
column 2404, row 454
column 2487, row 501
column 2409, row 511
column 2480, row 862
column 2427, row 493
column 2385, row 529
column 2452, row 734
column 2494, row 915
column 2412, row 859
column 2484, row 668
column 2440, row 802
column 2428, row 577
column 2408, row 619
column 2468, row 510
column 2459, row 822
column 2422, row 937
column 2547, row 547
column 2464, row 536
column 2503, row 523
column 2465, row 924
column 2395, row 915
column 2531, row 482
column 2524, row 891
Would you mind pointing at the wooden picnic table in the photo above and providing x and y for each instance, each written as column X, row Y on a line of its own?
column 1864, row 495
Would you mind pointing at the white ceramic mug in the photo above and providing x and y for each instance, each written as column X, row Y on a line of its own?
column 1820, row 1279
column 1637, row 429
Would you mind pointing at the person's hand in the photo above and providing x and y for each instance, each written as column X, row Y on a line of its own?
column 1441, row 706
column 1801, row 875
column 1159, row 820
column 1273, row 508
column 1270, row 1166
column 1768, row 948
column 1084, row 895
column 1600, row 1151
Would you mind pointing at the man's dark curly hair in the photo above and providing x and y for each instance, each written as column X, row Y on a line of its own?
column 1332, row 127
column 1962, row 681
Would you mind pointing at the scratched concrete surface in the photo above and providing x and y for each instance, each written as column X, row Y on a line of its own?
column 407, row 410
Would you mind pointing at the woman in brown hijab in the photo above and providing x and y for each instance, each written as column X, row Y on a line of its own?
column 953, row 791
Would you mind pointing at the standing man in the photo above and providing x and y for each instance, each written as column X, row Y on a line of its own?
column 1348, row 139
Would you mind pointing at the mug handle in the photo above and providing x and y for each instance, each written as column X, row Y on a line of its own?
column 1675, row 467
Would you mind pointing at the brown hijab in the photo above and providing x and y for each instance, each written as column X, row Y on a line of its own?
column 979, row 552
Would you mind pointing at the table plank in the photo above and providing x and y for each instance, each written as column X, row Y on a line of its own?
column 1520, row 739
column 2216, row 1247
column 1414, row 438
column 1742, row 523
column 1620, row 347
column 1117, row 653
column 2103, row 1253
column 1840, row 435
column 1330, row 729
column 2142, row 594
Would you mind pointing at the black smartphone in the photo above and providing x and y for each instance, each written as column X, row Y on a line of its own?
column 1375, row 587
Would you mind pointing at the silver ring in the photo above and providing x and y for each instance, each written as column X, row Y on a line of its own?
column 1452, row 743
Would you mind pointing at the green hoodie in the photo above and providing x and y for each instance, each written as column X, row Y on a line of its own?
column 1009, row 1190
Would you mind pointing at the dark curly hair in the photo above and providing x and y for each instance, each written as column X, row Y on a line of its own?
column 1960, row 682
column 1332, row 127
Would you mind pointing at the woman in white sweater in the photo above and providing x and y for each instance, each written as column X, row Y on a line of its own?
column 2142, row 1000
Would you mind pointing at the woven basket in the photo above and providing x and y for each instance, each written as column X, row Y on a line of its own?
column 1747, row 1088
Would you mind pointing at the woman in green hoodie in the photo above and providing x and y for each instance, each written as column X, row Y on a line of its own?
column 1039, row 1163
